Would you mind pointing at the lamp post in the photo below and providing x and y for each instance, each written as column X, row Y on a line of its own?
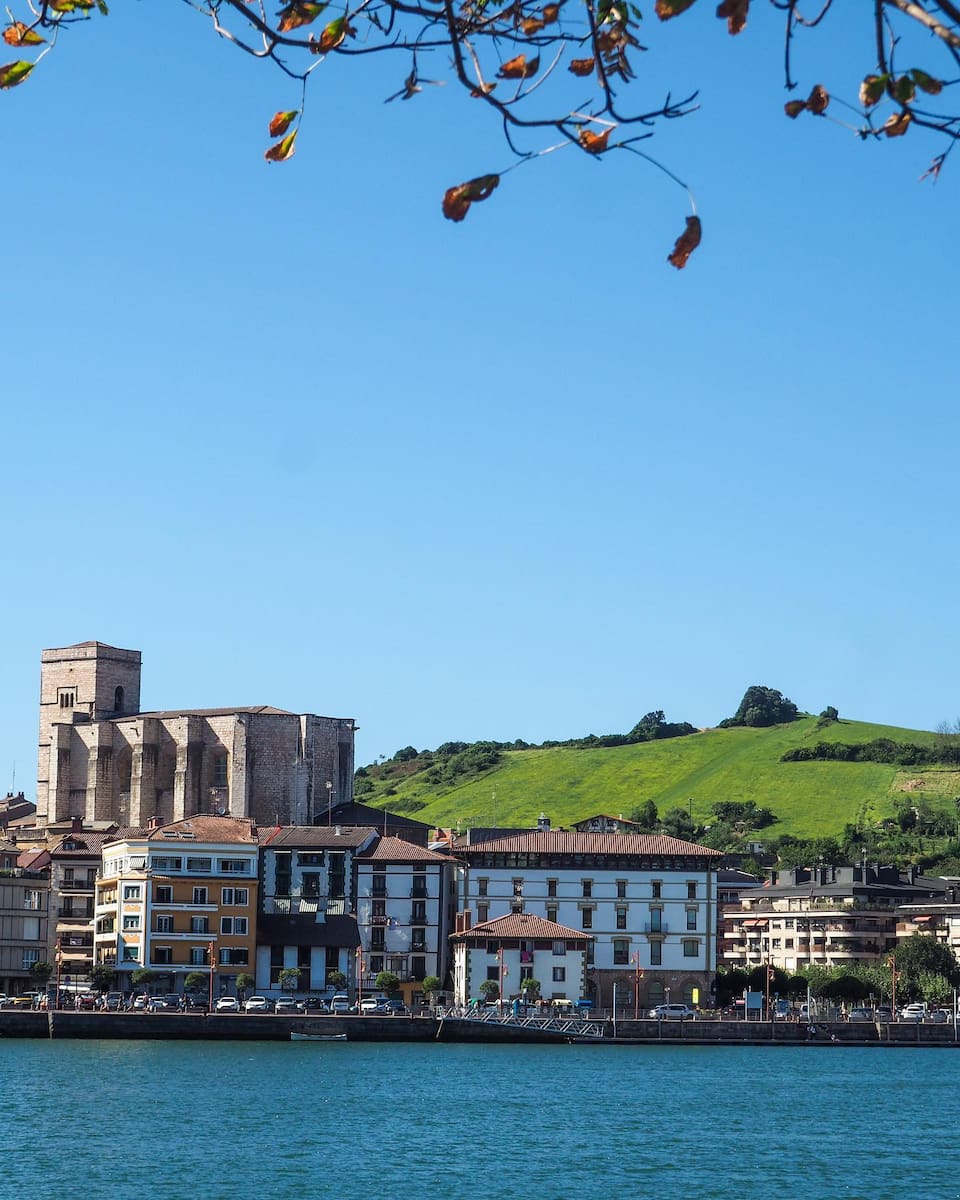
column 211, row 951
column 636, row 988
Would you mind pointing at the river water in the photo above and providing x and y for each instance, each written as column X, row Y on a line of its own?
column 172, row 1120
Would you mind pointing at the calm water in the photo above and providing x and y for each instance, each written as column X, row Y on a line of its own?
column 257, row 1120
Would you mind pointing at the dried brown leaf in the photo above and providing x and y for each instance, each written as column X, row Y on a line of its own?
column 582, row 66
column 457, row 200
column 686, row 243
column 596, row 143
column 519, row 67
column 897, row 124
column 793, row 108
column 818, row 100
column 735, row 13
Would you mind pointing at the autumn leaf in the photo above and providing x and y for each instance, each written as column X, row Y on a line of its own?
column 926, row 83
column 686, row 243
column 582, row 66
column 551, row 13
column 793, row 108
column 282, row 150
column 519, row 67
column 665, row 9
column 904, row 90
column 457, row 200
column 818, row 100
column 596, row 143
column 14, row 73
column 897, row 124
column 531, row 25
column 334, row 35
column 299, row 12
column 18, row 34
column 483, row 89
column 735, row 12
column 872, row 89
column 282, row 121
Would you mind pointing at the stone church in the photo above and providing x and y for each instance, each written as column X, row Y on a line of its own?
column 102, row 759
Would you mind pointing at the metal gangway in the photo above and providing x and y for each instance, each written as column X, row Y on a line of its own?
column 567, row 1024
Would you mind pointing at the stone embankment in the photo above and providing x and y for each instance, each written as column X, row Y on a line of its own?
column 270, row 1027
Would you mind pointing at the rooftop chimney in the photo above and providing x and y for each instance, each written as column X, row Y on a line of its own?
column 155, row 822
column 543, row 823
column 76, row 824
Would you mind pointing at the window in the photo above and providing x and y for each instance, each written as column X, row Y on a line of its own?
column 418, row 910
column 164, row 925
column 551, row 887
column 483, row 913
column 162, row 955
column 691, row 918
column 377, row 938
column 199, row 925
column 379, row 885
column 200, row 895
column 199, row 864
column 691, row 947
column 376, row 963
column 559, row 949
column 482, row 885
column 131, row 921
column 235, row 925
column 235, row 897
column 587, row 915
column 198, row 956
column 66, row 697
column 621, row 918
column 656, row 920
column 419, row 885
column 655, row 889
column 31, row 900
column 587, row 885
column 552, row 912
column 559, row 974
column 418, row 967
column 68, row 874
column 220, row 771
column 418, row 939
column 131, row 891
column 621, row 952
column 234, row 866
column 691, row 889
column 656, row 954
column 118, row 699
column 31, row 930
column 518, row 887
column 621, row 889
column 233, row 956
column 379, row 910
column 163, row 862
column 163, row 894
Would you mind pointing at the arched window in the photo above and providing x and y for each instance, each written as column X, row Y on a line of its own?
column 118, row 700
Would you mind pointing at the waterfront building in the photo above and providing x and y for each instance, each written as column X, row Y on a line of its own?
column 75, row 861
column 937, row 917
column 179, row 899
column 823, row 916
column 648, row 900
column 307, row 920
column 24, row 917
column 102, row 759
column 520, row 946
column 404, row 914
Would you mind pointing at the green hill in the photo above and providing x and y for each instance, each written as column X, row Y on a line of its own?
column 809, row 799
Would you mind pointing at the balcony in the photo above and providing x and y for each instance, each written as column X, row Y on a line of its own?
column 656, row 927
column 78, row 885
column 70, row 914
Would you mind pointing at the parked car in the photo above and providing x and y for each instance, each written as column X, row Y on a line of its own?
column 340, row 1003
column 672, row 1012
column 372, row 1004
column 194, row 1004
column 21, row 1002
column 140, row 1003
column 159, row 1004
column 312, row 1004
column 938, row 1016
column 227, row 1004
column 285, row 1004
column 395, row 1007
column 257, row 1004
column 86, row 1001
column 112, row 1002
column 913, row 1012
column 861, row 1014
column 884, row 1012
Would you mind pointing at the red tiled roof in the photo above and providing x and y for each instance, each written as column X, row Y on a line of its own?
column 557, row 841
column 206, row 828
column 393, row 849
column 522, row 925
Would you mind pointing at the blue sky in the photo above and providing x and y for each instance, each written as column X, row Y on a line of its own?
column 303, row 442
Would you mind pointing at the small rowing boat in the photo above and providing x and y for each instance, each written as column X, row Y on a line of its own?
column 318, row 1037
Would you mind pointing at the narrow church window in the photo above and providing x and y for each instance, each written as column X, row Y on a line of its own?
column 118, row 700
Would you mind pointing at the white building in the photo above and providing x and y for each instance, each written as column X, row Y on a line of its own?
column 404, row 913
column 520, row 946
column 649, row 901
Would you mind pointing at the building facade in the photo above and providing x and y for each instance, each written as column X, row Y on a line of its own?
column 180, row 900
column 307, row 920
column 649, row 902
column 102, row 759
column 404, row 914
column 520, row 946
column 24, row 916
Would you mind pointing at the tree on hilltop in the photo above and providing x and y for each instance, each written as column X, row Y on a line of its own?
column 762, row 706
column 555, row 73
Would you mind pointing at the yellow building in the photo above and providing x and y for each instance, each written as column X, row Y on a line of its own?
column 181, row 899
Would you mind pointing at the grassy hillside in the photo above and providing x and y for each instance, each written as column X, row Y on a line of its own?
column 811, row 799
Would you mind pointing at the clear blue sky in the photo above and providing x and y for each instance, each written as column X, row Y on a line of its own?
column 303, row 442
